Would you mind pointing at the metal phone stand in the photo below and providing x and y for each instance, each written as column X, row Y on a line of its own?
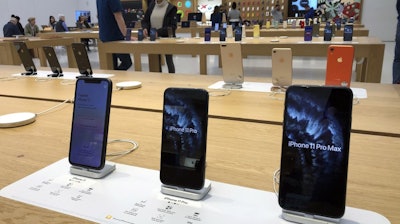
column 92, row 173
column 307, row 219
column 187, row 193
column 232, row 86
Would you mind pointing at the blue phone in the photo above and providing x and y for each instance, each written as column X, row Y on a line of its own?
column 328, row 33
column 348, row 33
column 222, row 34
column 153, row 34
column 308, row 33
column 238, row 33
column 128, row 35
column 140, row 35
column 207, row 34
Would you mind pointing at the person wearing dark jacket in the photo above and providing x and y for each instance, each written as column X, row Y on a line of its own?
column 161, row 15
column 60, row 25
column 11, row 28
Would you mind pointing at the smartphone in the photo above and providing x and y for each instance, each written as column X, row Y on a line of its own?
column 282, row 68
column 308, row 31
column 348, row 32
column 328, row 33
column 315, row 150
column 238, row 33
column 53, row 61
column 216, row 27
column 82, row 59
column 338, row 23
column 232, row 65
column 184, row 137
column 207, row 34
column 26, row 58
column 153, row 34
column 90, row 119
column 140, row 34
column 339, row 65
column 128, row 35
column 222, row 34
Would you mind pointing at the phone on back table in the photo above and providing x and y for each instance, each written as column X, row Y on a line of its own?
column 348, row 32
column 26, row 58
column 90, row 120
column 184, row 137
column 315, row 150
column 53, row 61
column 82, row 59
column 339, row 66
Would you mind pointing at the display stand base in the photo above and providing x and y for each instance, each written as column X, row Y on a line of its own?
column 187, row 193
column 92, row 173
column 307, row 219
column 232, row 86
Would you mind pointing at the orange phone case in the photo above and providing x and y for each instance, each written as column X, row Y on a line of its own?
column 339, row 66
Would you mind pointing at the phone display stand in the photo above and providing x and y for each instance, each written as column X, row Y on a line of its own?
column 186, row 192
column 307, row 219
column 232, row 86
column 92, row 173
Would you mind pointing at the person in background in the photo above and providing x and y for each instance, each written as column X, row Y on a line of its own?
column 19, row 25
column 310, row 13
column 11, row 28
column 112, row 27
column 82, row 23
column 234, row 16
column 52, row 22
column 216, row 17
column 396, row 61
column 61, row 26
column 161, row 15
column 31, row 29
column 277, row 13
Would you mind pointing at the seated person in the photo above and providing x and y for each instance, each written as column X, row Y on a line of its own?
column 31, row 29
column 11, row 28
column 61, row 26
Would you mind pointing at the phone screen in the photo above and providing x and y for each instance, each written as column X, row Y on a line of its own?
column 184, row 137
column 308, row 33
column 238, row 33
column 222, row 34
column 315, row 150
column 140, row 35
column 348, row 33
column 153, row 34
column 90, row 122
column 328, row 33
column 207, row 34
column 128, row 34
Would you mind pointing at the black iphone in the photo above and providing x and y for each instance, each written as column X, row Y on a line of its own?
column 140, row 34
column 128, row 35
column 207, row 34
column 238, row 33
column 82, row 59
column 153, row 34
column 26, row 58
column 348, row 32
column 315, row 150
column 90, row 119
column 184, row 137
column 53, row 61
column 222, row 34
column 328, row 33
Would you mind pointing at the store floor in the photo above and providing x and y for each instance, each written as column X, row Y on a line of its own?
column 303, row 67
